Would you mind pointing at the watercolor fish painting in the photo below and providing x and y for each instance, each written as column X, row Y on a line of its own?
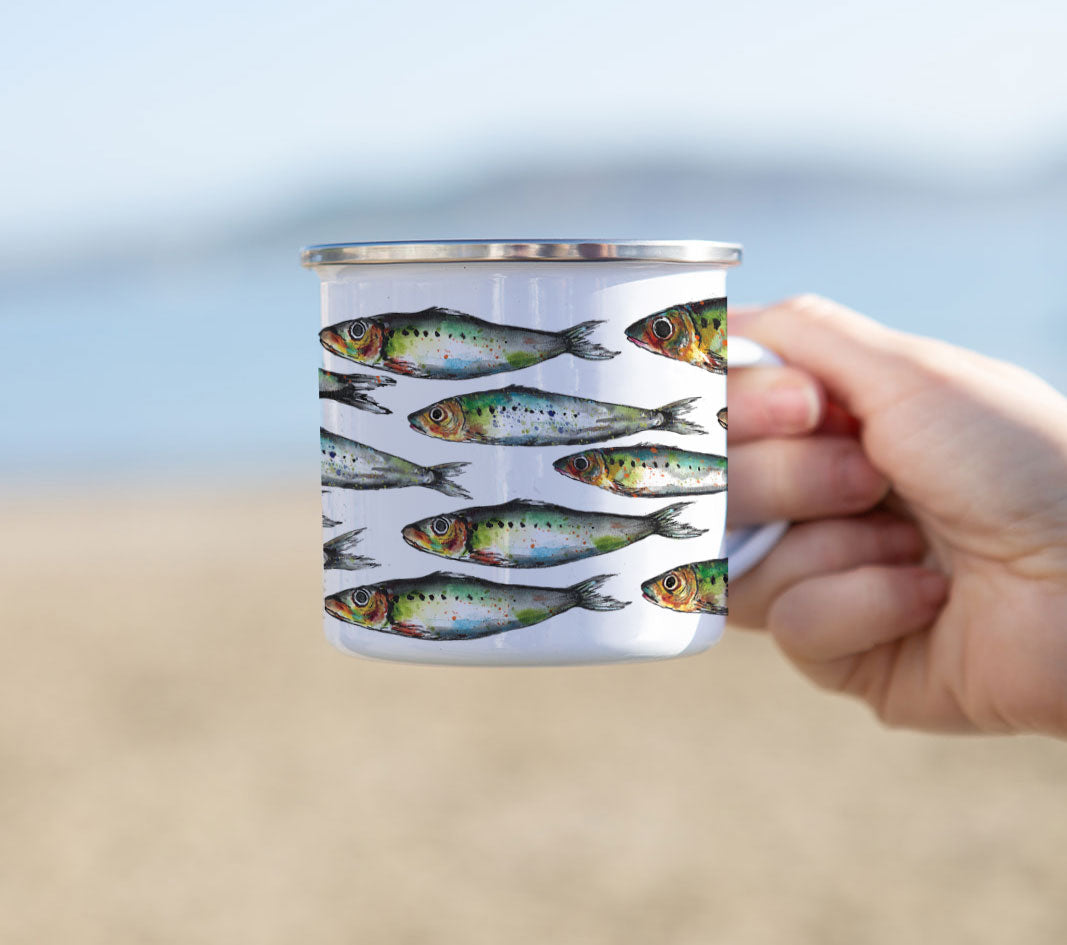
column 447, row 606
column 698, row 588
column 525, row 416
column 351, row 465
column 445, row 344
column 646, row 470
column 694, row 333
column 528, row 534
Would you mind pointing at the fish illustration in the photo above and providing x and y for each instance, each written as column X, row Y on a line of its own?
column 352, row 389
column 646, row 470
column 353, row 465
column 698, row 588
column 447, row 606
column 694, row 332
column 329, row 522
column 721, row 417
column 442, row 343
column 525, row 416
column 337, row 553
column 528, row 534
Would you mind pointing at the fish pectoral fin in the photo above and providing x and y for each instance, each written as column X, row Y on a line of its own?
column 405, row 367
column 411, row 630
column 489, row 557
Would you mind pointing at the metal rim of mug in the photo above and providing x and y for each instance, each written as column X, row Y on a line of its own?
column 693, row 252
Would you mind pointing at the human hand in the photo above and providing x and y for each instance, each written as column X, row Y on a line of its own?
column 976, row 453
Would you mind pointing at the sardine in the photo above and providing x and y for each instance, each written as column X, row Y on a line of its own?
column 698, row 588
column 525, row 416
column 447, row 606
column 694, row 332
column 646, row 470
column 353, row 465
column 442, row 343
column 352, row 389
column 336, row 553
column 721, row 417
column 527, row 534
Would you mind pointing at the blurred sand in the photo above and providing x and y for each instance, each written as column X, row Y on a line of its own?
column 184, row 759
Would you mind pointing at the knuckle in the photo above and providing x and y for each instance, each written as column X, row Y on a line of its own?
column 806, row 300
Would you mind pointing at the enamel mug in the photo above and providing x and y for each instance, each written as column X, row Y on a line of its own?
column 523, row 450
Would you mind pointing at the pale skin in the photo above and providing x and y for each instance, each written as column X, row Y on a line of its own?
column 928, row 572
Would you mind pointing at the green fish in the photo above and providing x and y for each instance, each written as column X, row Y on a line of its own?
column 352, row 389
column 353, row 465
column 694, row 333
column 698, row 588
column 447, row 606
column 527, row 534
column 721, row 417
column 337, row 553
column 646, row 470
column 442, row 343
column 525, row 416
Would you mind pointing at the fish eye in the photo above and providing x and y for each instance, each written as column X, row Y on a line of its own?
column 662, row 328
column 437, row 414
column 671, row 582
column 581, row 464
column 357, row 330
column 440, row 526
column 361, row 598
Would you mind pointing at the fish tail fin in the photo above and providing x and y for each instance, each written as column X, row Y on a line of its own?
column 672, row 416
column 336, row 553
column 442, row 479
column 590, row 598
column 354, row 391
column 578, row 343
column 665, row 522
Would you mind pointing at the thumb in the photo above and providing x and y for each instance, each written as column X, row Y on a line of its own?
column 861, row 363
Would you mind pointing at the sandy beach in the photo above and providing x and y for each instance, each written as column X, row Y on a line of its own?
column 184, row 759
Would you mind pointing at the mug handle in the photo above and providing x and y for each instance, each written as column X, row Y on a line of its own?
column 747, row 547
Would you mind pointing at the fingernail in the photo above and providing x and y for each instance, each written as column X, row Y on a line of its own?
column 793, row 409
column 933, row 588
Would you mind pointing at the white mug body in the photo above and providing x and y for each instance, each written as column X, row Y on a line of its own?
column 536, row 564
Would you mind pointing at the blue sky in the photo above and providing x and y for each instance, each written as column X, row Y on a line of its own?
column 154, row 126
column 120, row 112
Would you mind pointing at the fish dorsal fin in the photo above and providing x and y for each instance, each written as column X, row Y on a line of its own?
column 535, row 504
column 451, row 574
column 523, row 389
column 440, row 310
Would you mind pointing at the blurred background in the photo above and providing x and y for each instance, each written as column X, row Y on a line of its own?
column 182, row 757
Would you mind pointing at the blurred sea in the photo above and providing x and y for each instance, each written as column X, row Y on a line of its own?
column 161, row 354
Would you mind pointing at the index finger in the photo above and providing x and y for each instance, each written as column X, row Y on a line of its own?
column 860, row 362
